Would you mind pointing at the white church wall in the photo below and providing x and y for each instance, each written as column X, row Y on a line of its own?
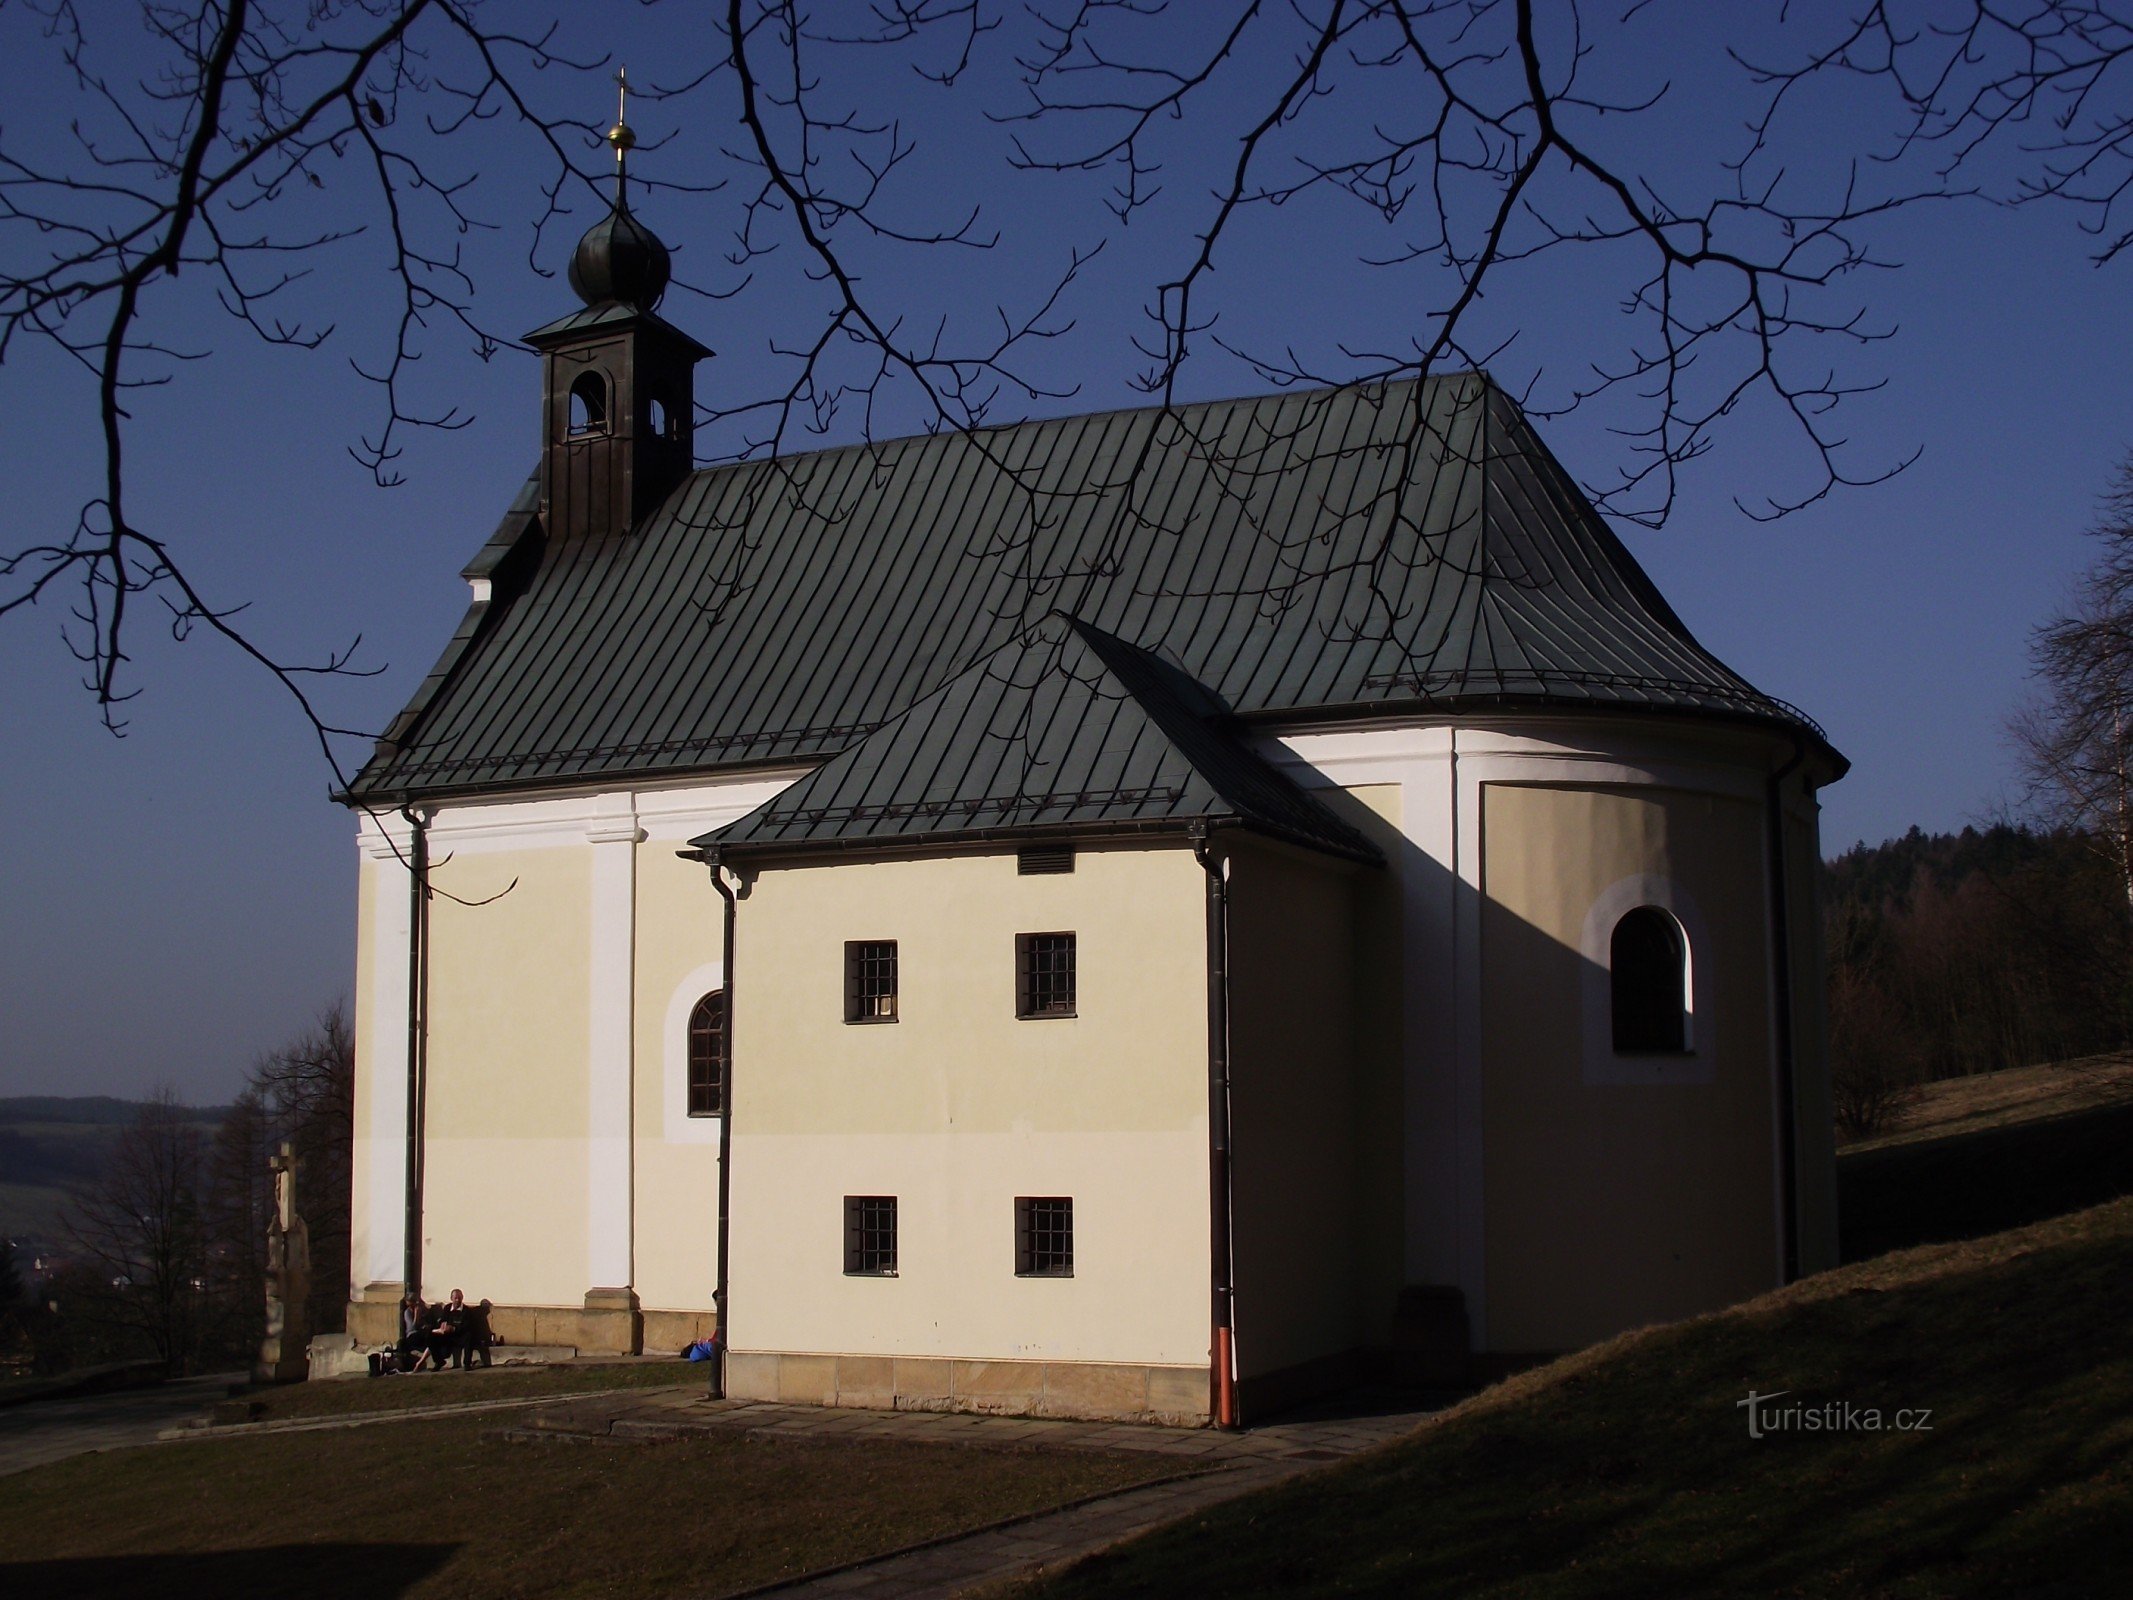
column 506, row 1155
column 959, row 1107
column 1441, row 772
column 1643, row 1193
column 547, row 1139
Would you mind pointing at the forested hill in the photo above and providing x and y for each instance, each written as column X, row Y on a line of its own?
column 52, row 1143
column 1967, row 952
column 1873, row 874
column 101, row 1110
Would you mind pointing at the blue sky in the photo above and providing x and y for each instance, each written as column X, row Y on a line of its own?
column 181, row 899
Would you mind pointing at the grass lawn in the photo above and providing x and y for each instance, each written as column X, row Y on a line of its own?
column 431, row 1508
column 1975, row 1155
column 342, row 1397
column 1627, row 1470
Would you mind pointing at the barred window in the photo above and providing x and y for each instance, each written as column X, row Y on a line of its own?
column 870, row 980
column 707, row 1056
column 1044, row 974
column 1044, row 1237
column 870, row 1235
column 1648, row 979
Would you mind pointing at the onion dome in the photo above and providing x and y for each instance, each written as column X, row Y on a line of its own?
column 620, row 259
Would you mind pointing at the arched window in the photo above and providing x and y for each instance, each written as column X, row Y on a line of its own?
column 707, row 1056
column 588, row 404
column 1648, row 970
column 656, row 416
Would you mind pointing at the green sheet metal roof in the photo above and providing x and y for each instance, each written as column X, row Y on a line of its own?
column 1384, row 548
column 1062, row 729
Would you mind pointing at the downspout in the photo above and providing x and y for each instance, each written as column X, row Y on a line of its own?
column 1222, row 1397
column 1781, row 982
column 719, row 1294
column 418, row 1031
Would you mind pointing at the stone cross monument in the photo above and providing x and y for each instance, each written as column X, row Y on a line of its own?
column 284, row 1357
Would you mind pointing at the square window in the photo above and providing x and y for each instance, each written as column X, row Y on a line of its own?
column 870, row 980
column 1044, row 975
column 870, row 1235
column 1044, row 1237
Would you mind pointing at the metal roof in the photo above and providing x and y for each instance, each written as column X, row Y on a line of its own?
column 1384, row 548
column 1062, row 729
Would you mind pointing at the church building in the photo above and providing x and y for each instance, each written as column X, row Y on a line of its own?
column 1145, row 915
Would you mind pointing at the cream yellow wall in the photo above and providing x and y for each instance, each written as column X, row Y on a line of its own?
column 958, row 1107
column 1611, row 1204
column 504, row 1170
column 679, row 956
column 1295, row 1178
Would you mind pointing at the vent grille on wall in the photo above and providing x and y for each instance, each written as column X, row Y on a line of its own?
column 1045, row 858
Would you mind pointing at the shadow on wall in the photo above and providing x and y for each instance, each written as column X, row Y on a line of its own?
column 316, row 1571
column 1616, row 1187
column 1971, row 1184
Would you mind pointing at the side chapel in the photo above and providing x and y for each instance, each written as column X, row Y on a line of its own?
column 1140, row 915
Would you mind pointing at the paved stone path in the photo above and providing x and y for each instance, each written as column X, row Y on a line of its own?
column 45, row 1431
column 1224, row 1466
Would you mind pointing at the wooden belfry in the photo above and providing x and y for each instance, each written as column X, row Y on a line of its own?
column 618, row 396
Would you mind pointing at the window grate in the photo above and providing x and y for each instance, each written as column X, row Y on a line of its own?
column 1043, row 860
column 1044, row 1237
column 707, row 1056
column 1044, row 975
column 870, row 980
column 870, row 1235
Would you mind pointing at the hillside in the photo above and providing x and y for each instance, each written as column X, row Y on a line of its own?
column 1628, row 1469
column 1970, row 1156
column 50, row 1144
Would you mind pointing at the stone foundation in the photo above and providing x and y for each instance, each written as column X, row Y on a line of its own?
column 610, row 1322
column 1088, row 1390
column 666, row 1332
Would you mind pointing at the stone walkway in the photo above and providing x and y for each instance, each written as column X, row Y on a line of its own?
column 45, row 1431
column 1222, row 1467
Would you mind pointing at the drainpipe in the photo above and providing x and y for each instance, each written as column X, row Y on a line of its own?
column 1781, row 982
column 1222, row 1397
column 418, row 1032
column 719, row 1295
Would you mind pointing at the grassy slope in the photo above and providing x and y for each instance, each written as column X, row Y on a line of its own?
column 1627, row 1469
column 1975, row 1155
column 432, row 1508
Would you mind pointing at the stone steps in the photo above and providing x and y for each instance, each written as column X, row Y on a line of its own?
column 338, row 1355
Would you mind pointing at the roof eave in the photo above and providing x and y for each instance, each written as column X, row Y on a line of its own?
column 1772, row 721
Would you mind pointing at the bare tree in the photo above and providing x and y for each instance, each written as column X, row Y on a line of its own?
column 307, row 1089
column 2075, row 740
column 237, row 1199
column 140, row 1230
column 1475, row 143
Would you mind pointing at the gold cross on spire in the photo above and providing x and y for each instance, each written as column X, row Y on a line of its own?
column 621, row 135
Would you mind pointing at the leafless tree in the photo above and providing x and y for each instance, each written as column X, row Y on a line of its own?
column 1483, row 140
column 306, row 1088
column 236, row 1201
column 140, row 1230
column 2075, row 739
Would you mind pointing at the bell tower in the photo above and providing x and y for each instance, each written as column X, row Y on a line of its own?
column 618, row 399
